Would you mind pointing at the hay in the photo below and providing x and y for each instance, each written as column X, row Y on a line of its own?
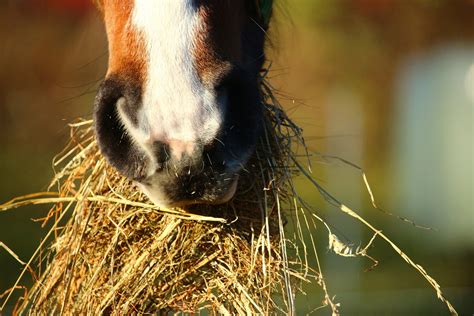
column 112, row 251
column 119, row 253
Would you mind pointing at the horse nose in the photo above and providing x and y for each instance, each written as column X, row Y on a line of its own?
column 138, row 146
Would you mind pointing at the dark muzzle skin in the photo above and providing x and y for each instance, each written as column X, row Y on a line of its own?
column 210, row 172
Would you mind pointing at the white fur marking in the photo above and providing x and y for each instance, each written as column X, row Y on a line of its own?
column 176, row 105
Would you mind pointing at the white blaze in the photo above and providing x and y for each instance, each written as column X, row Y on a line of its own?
column 176, row 105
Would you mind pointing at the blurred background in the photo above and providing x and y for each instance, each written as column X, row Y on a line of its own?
column 385, row 84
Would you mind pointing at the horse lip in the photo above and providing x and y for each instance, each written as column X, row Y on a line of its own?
column 226, row 197
column 159, row 199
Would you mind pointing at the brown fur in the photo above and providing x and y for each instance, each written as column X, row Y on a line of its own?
column 126, row 46
column 218, row 42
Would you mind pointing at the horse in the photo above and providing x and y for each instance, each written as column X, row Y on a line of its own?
column 179, row 111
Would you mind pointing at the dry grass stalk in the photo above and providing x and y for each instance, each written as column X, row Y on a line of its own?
column 119, row 254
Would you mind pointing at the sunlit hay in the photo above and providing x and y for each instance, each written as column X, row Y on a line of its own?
column 111, row 251
column 120, row 254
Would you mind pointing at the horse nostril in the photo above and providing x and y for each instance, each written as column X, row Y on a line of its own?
column 161, row 152
column 115, row 143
